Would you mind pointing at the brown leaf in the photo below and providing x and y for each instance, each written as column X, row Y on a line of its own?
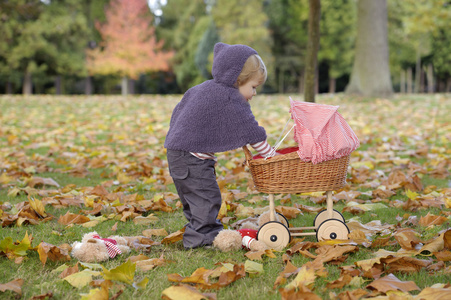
column 407, row 238
column 340, row 282
column 444, row 255
column 405, row 264
column 42, row 181
column 54, row 253
column 155, row 232
column 431, row 293
column 288, row 211
column 353, row 295
column 185, row 292
column 14, row 285
column 300, row 293
column 328, row 253
column 257, row 255
column 430, row 219
column 288, row 271
column 48, row 295
column 391, row 283
column 69, row 271
column 174, row 237
column 70, row 218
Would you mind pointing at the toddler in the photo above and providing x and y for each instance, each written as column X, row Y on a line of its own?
column 214, row 116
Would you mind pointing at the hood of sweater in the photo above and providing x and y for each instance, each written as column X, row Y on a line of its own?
column 228, row 61
column 213, row 116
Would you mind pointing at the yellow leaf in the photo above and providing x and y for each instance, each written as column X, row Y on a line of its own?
column 90, row 224
column 89, row 200
column 230, row 165
column 306, row 276
column 359, row 164
column 155, row 232
column 95, row 294
column 123, row 273
column 142, row 284
column 5, row 179
column 182, row 292
column 253, row 268
column 37, row 206
column 447, row 202
column 123, row 178
column 14, row 192
column 82, row 278
column 411, row 195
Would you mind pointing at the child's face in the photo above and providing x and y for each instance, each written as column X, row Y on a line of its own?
column 248, row 90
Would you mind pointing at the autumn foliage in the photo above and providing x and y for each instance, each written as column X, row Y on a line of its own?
column 129, row 46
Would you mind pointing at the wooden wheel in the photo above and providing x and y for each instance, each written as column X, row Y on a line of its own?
column 332, row 229
column 283, row 220
column 275, row 235
column 322, row 216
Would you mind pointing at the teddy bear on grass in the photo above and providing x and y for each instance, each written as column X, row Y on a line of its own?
column 93, row 248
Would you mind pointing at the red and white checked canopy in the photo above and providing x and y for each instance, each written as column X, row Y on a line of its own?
column 321, row 132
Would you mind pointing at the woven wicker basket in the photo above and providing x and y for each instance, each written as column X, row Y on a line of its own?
column 288, row 174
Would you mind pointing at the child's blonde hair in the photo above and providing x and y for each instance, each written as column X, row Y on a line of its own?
column 254, row 67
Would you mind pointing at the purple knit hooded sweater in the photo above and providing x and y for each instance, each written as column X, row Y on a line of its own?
column 213, row 116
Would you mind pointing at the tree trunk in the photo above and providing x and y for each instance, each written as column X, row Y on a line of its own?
column 281, row 83
column 312, row 50
column 301, row 83
column 58, row 81
column 131, row 87
column 371, row 73
column 448, row 85
column 418, row 72
column 409, row 80
column 124, row 86
column 9, row 88
column 402, row 82
column 88, row 85
column 332, row 85
column 27, row 88
column 430, row 79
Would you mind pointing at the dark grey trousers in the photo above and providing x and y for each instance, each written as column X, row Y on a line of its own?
column 195, row 181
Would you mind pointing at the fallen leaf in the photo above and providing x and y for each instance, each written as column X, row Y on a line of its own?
column 14, row 285
column 185, row 292
column 391, row 283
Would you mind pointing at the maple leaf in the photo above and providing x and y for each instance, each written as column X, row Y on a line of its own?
column 174, row 237
column 13, row 250
column 52, row 252
column 185, row 292
column 123, row 273
column 14, row 285
column 392, row 283
column 81, row 279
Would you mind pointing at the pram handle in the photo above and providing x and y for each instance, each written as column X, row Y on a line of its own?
column 247, row 153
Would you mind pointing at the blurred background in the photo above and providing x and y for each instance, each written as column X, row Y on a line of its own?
column 165, row 46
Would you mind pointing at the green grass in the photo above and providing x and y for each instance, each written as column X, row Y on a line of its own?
column 127, row 135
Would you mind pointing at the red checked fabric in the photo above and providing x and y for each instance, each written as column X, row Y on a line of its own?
column 111, row 247
column 321, row 132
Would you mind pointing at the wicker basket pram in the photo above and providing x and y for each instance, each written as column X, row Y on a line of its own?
column 288, row 174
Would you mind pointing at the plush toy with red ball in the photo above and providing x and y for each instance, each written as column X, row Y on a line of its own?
column 232, row 240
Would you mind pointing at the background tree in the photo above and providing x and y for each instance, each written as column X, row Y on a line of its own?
column 312, row 50
column 371, row 73
column 337, row 29
column 182, row 26
column 41, row 39
column 288, row 28
column 241, row 22
column 129, row 45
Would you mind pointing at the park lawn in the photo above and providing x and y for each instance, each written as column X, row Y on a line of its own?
column 55, row 151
